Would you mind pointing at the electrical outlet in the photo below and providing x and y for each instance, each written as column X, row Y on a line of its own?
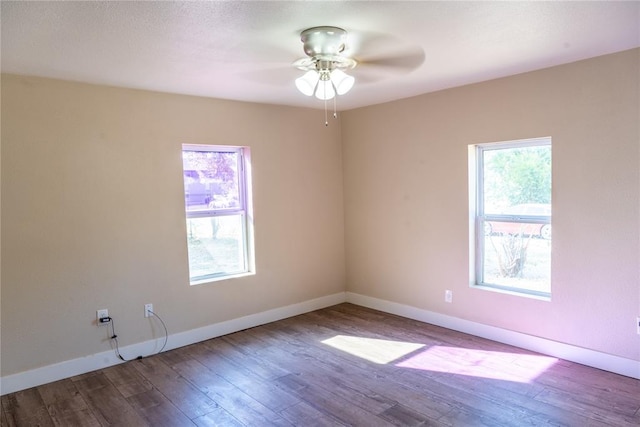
column 638, row 325
column 148, row 310
column 101, row 314
column 448, row 296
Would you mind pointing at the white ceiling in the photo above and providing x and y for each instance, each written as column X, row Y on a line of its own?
column 243, row 50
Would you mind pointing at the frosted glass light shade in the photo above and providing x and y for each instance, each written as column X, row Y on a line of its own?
column 325, row 83
column 342, row 81
column 325, row 90
column 307, row 83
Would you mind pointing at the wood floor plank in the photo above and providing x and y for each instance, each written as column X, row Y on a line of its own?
column 26, row 408
column 303, row 414
column 219, row 417
column 342, row 365
column 106, row 403
column 597, row 406
column 566, row 418
column 177, row 389
column 59, row 390
column 4, row 421
column 178, row 355
column 264, row 368
column 65, row 404
column 400, row 415
column 127, row 379
column 573, row 378
column 158, row 410
column 329, row 403
column 242, row 378
column 243, row 407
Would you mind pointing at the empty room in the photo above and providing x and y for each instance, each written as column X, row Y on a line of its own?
column 310, row 213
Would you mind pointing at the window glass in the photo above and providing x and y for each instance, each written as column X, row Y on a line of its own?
column 216, row 246
column 211, row 180
column 217, row 195
column 517, row 180
column 512, row 211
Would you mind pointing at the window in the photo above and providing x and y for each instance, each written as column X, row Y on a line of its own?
column 511, row 210
column 218, row 208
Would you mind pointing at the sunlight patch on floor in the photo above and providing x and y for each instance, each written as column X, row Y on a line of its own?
column 371, row 349
column 505, row 366
column 480, row 363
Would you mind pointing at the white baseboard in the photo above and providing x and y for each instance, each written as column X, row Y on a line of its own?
column 81, row 365
column 584, row 356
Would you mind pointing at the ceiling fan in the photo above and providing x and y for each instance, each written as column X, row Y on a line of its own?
column 324, row 63
column 329, row 56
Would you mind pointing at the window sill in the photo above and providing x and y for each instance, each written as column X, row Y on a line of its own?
column 221, row 278
column 525, row 294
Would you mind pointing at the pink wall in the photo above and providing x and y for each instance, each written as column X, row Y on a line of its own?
column 406, row 199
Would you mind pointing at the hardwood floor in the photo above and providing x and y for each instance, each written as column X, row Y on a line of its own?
column 344, row 365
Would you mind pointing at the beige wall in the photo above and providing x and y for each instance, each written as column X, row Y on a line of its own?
column 93, row 214
column 406, row 199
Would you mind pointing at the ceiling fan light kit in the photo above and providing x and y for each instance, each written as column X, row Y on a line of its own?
column 307, row 83
column 342, row 81
column 324, row 65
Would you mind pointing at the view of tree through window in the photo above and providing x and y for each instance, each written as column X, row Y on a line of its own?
column 216, row 206
column 210, row 179
column 513, row 216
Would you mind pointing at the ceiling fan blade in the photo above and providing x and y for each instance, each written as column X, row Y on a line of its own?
column 265, row 58
column 407, row 61
column 370, row 74
column 381, row 56
column 278, row 75
column 382, row 68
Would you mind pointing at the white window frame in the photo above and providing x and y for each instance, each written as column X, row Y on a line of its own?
column 245, row 210
column 478, row 217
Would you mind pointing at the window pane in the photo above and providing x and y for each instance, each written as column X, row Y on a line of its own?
column 517, row 181
column 211, row 180
column 521, row 261
column 216, row 246
column 513, row 216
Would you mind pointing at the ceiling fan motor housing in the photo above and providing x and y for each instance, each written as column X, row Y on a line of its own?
column 323, row 41
column 323, row 46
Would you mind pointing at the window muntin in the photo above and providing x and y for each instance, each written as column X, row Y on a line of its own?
column 512, row 211
column 219, row 239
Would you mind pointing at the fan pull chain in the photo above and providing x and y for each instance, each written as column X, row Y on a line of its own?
column 326, row 122
column 324, row 90
column 335, row 108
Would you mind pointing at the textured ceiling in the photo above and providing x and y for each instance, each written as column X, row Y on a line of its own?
column 244, row 50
